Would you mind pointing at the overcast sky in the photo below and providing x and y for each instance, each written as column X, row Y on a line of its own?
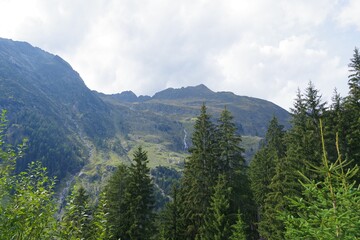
column 259, row 48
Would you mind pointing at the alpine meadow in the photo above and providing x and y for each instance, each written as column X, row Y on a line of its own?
column 184, row 164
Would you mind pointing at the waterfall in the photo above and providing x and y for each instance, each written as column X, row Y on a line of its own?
column 185, row 136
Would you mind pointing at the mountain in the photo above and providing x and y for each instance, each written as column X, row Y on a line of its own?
column 48, row 103
column 78, row 132
column 200, row 91
column 251, row 114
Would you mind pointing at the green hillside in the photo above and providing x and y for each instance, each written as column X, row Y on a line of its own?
column 74, row 131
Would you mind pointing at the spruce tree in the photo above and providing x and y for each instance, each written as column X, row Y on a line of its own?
column 315, row 109
column 300, row 152
column 352, row 111
column 262, row 167
column 130, row 200
column 335, row 124
column 354, row 78
column 280, row 183
column 230, row 159
column 232, row 164
column 217, row 223
column 283, row 184
column 303, row 139
column 116, row 205
column 261, row 172
column 139, row 198
column 200, row 175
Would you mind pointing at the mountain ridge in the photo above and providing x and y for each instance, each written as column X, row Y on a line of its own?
column 172, row 101
column 74, row 131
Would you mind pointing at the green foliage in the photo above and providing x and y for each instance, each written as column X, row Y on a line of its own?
column 130, row 200
column 76, row 223
column 261, row 172
column 328, row 209
column 26, row 206
column 217, row 226
column 351, row 115
column 116, row 204
column 231, row 164
column 335, row 124
column 48, row 143
column 200, row 175
column 215, row 152
column 28, row 213
column 100, row 221
column 271, row 178
column 262, row 167
column 230, row 157
column 238, row 229
column 354, row 78
column 170, row 217
column 139, row 198
column 164, row 179
column 8, row 157
column 284, row 183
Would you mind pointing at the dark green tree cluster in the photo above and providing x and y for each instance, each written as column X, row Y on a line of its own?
column 288, row 157
column 327, row 209
column 213, row 188
column 130, row 198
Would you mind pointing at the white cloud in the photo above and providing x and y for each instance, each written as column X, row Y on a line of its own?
column 349, row 14
column 275, row 72
column 258, row 48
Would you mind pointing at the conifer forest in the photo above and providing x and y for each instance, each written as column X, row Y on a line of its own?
column 302, row 183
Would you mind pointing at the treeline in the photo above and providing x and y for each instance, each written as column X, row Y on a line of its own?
column 303, row 183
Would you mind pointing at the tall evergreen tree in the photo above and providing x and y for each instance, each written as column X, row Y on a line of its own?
column 303, row 139
column 273, row 198
column 315, row 109
column 116, row 205
column 262, row 167
column 130, row 198
column 352, row 111
column 200, row 175
column 283, row 184
column 139, row 198
column 334, row 124
column 230, row 157
column 354, row 79
column 232, row 164
column 261, row 172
